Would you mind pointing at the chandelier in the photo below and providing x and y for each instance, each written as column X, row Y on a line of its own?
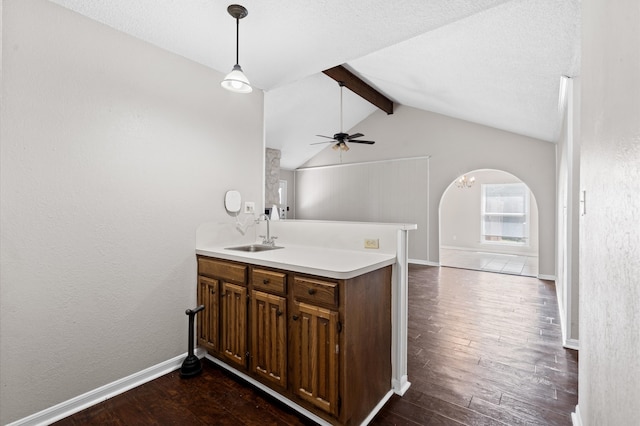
column 465, row 182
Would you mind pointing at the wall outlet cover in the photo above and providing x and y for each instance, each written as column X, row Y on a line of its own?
column 249, row 207
column 372, row 243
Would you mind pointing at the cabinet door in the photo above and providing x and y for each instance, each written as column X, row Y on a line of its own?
column 233, row 323
column 208, row 319
column 269, row 339
column 315, row 359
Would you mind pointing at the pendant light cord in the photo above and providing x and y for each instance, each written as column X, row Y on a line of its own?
column 341, row 87
column 237, row 40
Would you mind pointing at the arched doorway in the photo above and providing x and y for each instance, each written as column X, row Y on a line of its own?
column 489, row 223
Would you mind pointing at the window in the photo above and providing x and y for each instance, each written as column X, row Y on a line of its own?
column 505, row 213
column 282, row 198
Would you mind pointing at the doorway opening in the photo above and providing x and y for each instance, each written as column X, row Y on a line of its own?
column 489, row 222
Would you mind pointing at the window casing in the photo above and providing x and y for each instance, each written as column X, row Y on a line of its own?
column 505, row 214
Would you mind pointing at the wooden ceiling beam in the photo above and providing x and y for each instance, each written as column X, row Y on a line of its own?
column 360, row 87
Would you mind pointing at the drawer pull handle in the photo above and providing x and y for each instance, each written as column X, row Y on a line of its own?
column 312, row 291
column 295, row 318
column 265, row 281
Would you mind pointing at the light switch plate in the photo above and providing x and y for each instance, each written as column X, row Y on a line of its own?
column 371, row 243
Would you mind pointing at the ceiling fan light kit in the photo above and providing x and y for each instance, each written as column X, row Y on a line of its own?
column 341, row 138
column 236, row 81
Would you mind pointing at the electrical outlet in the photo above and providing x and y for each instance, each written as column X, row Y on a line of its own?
column 249, row 207
column 371, row 243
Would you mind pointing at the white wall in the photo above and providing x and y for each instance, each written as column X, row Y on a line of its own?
column 460, row 217
column 113, row 152
column 457, row 146
column 609, row 388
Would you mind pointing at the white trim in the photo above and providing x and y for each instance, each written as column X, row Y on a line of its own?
column 333, row 166
column 400, row 315
column 101, row 394
column 269, row 391
column 401, row 385
column 561, row 312
column 292, row 404
column 571, row 344
column 575, row 417
column 429, row 211
column 566, row 342
column 547, row 277
column 377, row 408
column 423, row 262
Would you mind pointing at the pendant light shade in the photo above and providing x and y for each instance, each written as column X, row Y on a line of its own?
column 236, row 81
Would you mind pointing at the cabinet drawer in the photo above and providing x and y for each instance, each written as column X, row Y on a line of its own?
column 269, row 280
column 226, row 271
column 315, row 291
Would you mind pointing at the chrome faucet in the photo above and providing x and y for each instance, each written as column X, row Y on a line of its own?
column 268, row 240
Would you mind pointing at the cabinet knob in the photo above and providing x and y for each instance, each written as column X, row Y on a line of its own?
column 312, row 291
column 295, row 318
column 213, row 292
column 265, row 281
column 223, row 294
column 278, row 312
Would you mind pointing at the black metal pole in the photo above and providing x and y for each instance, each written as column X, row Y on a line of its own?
column 191, row 366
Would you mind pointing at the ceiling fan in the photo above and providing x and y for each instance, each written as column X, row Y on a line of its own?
column 342, row 138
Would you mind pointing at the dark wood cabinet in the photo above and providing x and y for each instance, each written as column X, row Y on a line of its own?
column 315, row 350
column 322, row 343
column 233, row 323
column 269, row 337
column 208, row 320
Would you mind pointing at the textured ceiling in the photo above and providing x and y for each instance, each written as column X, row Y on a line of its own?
column 493, row 62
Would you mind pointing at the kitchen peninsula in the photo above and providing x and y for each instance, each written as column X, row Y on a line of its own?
column 319, row 324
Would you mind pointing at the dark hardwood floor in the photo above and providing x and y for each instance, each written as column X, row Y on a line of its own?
column 484, row 349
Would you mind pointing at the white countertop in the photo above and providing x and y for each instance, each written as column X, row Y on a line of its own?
column 326, row 262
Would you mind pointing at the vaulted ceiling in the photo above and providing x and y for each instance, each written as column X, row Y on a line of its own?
column 492, row 62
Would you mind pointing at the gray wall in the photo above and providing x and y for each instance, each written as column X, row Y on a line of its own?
column 456, row 147
column 289, row 176
column 609, row 231
column 460, row 217
column 392, row 191
column 113, row 152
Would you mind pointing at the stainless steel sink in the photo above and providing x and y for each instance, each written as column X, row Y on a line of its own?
column 254, row 248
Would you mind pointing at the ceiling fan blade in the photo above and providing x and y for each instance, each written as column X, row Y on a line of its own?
column 355, row 135
column 323, row 136
column 318, row 143
column 357, row 141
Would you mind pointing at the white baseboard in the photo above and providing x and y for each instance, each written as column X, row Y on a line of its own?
column 547, row 277
column 319, row 420
column 566, row 342
column 377, row 408
column 402, row 385
column 572, row 344
column 86, row 400
column 576, row 420
column 423, row 262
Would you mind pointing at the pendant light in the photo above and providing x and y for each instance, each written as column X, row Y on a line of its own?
column 236, row 81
